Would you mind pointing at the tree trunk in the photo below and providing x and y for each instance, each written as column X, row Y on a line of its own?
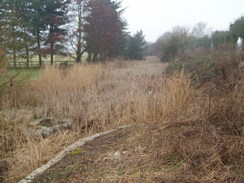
column 242, row 43
column 79, row 36
column 51, row 43
column 94, row 59
column 52, row 52
column 14, row 46
column 14, row 57
column 78, row 56
column 27, row 56
column 102, row 56
column 89, row 57
column 105, row 55
column 13, row 34
column 39, row 47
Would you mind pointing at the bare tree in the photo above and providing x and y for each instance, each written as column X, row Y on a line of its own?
column 200, row 30
column 76, row 42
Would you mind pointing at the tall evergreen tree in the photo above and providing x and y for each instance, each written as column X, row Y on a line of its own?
column 36, row 19
column 11, row 21
column 2, row 22
column 221, row 38
column 136, row 46
column 104, row 29
column 56, row 16
column 237, row 30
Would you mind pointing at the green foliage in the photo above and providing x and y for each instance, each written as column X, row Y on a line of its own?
column 31, row 27
column 221, row 38
column 237, row 28
column 56, row 16
column 200, row 68
column 104, row 29
column 204, row 42
column 12, row 26
column 25, row 74
column 208, row 66
column 136, row 46
column 175, row 42
column 77, row 151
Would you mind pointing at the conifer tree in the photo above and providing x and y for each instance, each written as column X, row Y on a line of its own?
column 104, row 29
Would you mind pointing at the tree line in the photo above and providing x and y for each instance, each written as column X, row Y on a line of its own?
column 67, row 27
column 181, row 40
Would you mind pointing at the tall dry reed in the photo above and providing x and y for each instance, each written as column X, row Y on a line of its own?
column 96, row 97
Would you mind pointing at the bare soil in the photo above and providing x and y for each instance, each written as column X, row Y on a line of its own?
column 95, row 161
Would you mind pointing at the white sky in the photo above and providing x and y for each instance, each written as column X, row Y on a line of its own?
column 154, row 17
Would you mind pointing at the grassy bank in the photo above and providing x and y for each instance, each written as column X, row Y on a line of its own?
column 194, row 133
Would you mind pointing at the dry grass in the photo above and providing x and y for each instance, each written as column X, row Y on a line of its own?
column 57, row 93
column 96, row 97
column 186, row 137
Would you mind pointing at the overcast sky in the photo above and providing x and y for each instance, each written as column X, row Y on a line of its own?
column 155, row 17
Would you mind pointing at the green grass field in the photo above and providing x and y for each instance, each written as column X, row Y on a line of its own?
column 25, row 73
column 33, row 62
column 19, row 75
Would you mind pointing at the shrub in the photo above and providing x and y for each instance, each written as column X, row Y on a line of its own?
column 217, row 66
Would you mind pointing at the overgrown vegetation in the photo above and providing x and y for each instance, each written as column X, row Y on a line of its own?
column 188, row 111
column 186, row 134
column 95, row 97
column 219, row 67
column 194, row 133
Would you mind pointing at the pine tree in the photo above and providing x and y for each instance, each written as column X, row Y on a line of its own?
column 56, row 17
column 136, row 46
column 35, row 18
column 15, row 33
column 104, row 29
column 10, row 22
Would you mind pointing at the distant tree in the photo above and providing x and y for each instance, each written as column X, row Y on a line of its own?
column 76, row 32
column 221, row 38
column 56, row 17
column 22, row 23
column 150, row 49
column 200, row 30
column 156, row 48
column 2, row 23
column 176, row 42
column 203, row 42
column 11, row 21
column 3, row 61
column 201, row 36
column 25, row 35
column 38, row 26
column 136, row 46
column 104, row 29
column 237, row 29
column 14, row 32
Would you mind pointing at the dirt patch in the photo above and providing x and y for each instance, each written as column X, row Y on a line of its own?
column 92, row 161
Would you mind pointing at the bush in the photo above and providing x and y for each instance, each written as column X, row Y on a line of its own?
column 218, row 67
